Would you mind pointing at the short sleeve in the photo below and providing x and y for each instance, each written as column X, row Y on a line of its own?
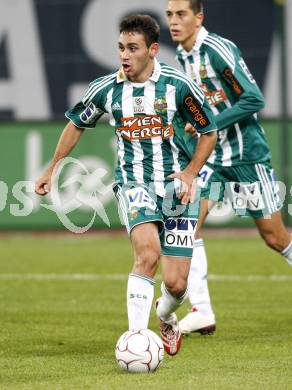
column 83, row 116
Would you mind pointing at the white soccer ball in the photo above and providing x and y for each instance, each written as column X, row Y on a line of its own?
column 139, row 351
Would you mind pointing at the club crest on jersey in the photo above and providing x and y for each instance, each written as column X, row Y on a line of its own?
column 203, row 72
column 138, row 104
column 160, row 104
column 90, row 113
column 143, row 127
column 134, row 213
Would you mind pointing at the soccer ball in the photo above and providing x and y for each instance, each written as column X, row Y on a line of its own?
column 139, row 351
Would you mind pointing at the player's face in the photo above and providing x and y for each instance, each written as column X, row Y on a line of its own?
column 136, row 58
column 183, row 23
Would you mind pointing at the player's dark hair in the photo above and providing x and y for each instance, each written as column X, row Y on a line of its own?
column 141, row 24
column 196, row 6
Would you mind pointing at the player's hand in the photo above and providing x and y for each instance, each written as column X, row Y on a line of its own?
column 191, row 130
column 188, row 186
column 43, row 185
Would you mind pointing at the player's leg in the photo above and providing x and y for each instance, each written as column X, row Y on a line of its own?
column 140, row 291
column 141, row 216
column 275, row 234
column 201, row 318
column 175, row 272
column 177, row 247
column 256, row 194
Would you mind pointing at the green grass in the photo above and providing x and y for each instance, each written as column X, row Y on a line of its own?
column 60, row 334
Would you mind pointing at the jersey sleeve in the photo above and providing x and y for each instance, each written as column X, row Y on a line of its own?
column 230, row 67
column 194, row 108
column 87, row 112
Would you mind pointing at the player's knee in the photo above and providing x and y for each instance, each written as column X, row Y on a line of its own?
column 271, row 240
column 147, row 261
column 176, row 287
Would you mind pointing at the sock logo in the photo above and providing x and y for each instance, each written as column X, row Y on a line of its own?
column 138, row 296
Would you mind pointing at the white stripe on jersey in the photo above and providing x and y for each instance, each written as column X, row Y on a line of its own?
column 195, row 89
column 239, row 139
column 226, row 148
column 157, row 157
column 222, row 50
column 121, row 150
column 128, row 111
column 170, row 93
column 120, row 142
column 97, row 83
column 123, row 208
column 223, row 140
column 97, row 88
column 121, row 156
column 267, row 188
column 193, row 85
column 108, row 107
column 210, row 70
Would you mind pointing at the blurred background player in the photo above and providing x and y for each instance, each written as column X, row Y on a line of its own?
column 143, row 99
column 241, row 161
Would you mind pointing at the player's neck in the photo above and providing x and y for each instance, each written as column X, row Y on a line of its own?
column 190, row 42
column 145, row 74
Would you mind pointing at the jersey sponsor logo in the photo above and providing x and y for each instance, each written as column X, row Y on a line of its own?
column 233, row 80
column 90, row 113
column 214, row 97
column 144, row 127
column 247, row 196
column 179, row 232
column 246, row 71
column 138, row 104
column 160, row 104
column 197, row 112
column 138, row 197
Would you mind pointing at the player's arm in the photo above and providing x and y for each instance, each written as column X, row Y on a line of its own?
column 240, row 84
column 67, row 141
column 188, row 176
column 83, row 115
column 195, row 109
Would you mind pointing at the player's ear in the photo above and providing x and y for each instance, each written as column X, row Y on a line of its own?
column 200, row 19
column 154, row 48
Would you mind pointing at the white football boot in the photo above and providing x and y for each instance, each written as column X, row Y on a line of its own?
column 197, row 322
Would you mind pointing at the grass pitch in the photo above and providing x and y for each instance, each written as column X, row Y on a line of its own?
column 62, row 308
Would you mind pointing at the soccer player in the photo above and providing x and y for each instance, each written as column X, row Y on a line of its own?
column 145, row 100
column 240, row 163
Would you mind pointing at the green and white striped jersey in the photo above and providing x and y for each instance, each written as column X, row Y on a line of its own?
column 148, row 120
column 218, row 67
